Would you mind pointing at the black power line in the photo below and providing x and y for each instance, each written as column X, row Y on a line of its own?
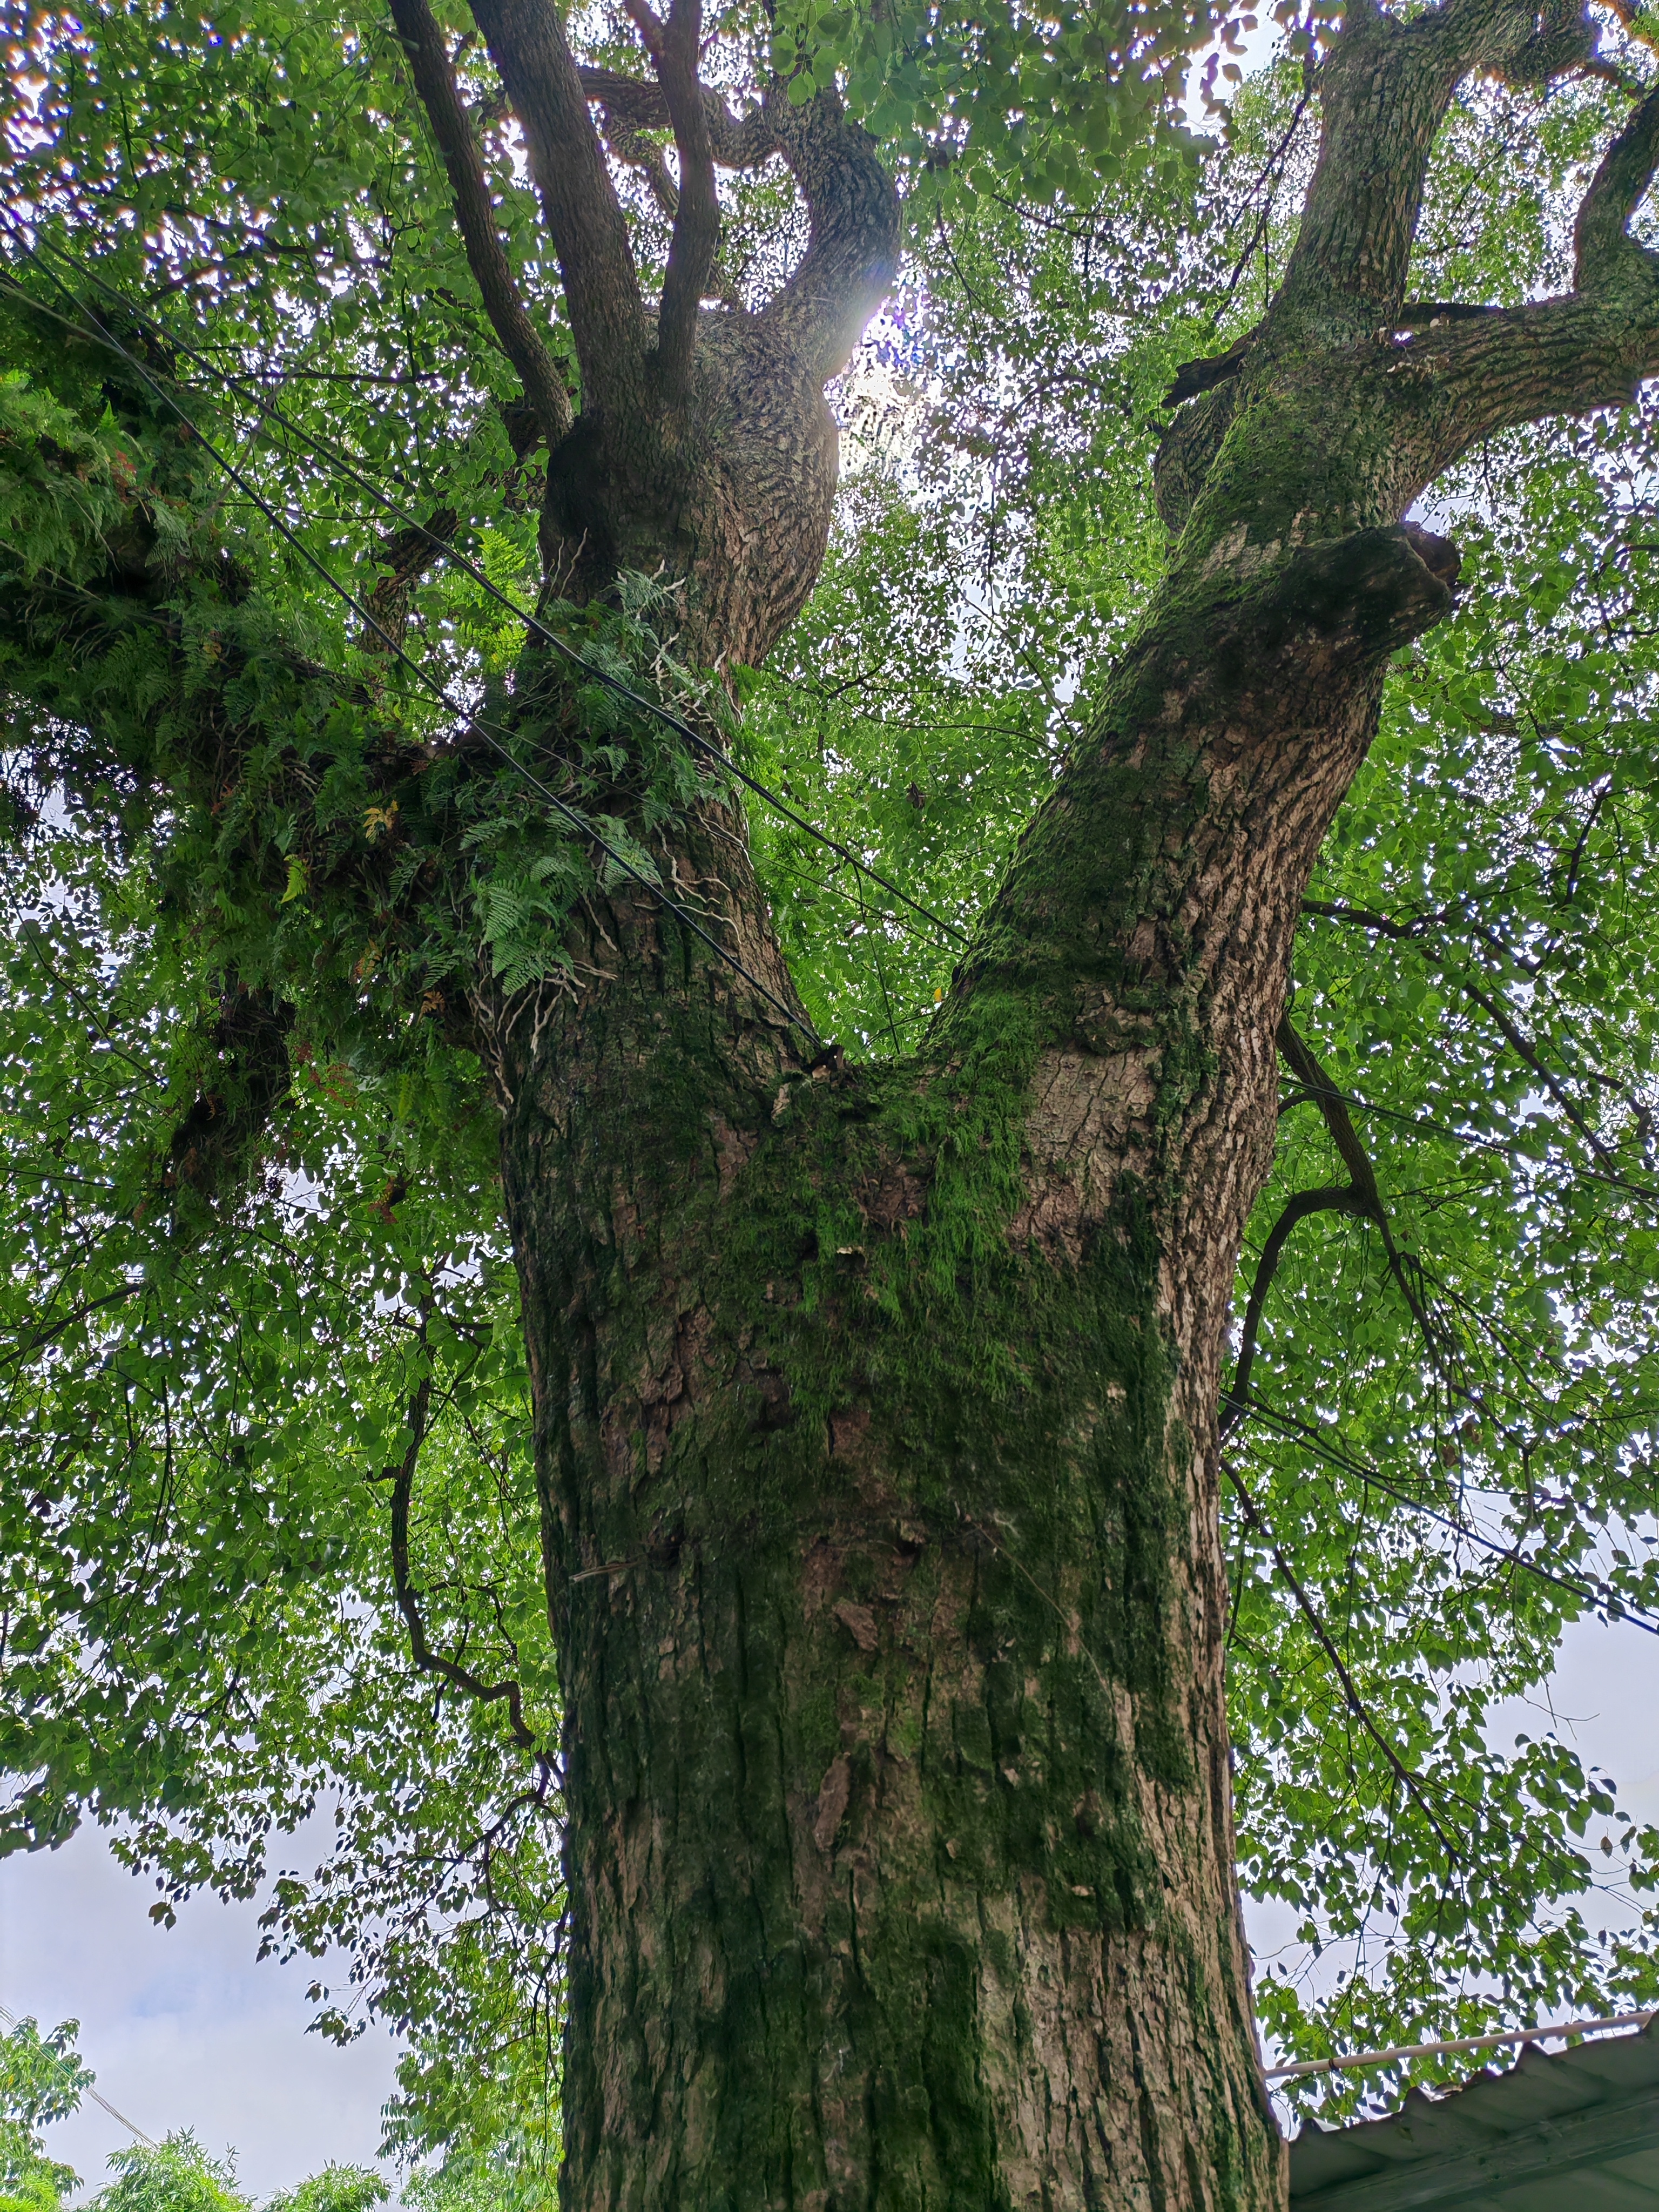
column 333, row 453
column 438, row 690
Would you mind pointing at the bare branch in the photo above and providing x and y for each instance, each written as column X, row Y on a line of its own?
column 1607, row 258
column 853, row 252
column 1333, row 1110
column 527, row 43
column 1193, row 377
column 1330, row 1197
column 435, row 81
column 1409, row 1782
column 672, row 46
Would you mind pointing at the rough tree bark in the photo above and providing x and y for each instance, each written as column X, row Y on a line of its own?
column 876, row 1408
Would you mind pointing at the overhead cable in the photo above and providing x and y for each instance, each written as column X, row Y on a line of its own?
column 1363, row 2060
column 82, row 2088
column 331, row 452
column 438, row 691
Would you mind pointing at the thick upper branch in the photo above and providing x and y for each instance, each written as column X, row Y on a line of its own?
column 527, row 43
column 635, row 150
column 1609, row 263
column 434, row 81
column 674, row 47
column 736, row 141
column 1383, row 89
column 1453, row 387
column 853, row 250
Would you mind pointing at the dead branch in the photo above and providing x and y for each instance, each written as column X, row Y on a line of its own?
column 428, row 1661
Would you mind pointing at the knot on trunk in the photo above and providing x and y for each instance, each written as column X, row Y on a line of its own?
column 1369, row 592
column 1342, row 601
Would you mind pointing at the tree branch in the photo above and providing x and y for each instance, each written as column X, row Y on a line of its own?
column 672, row 46
column 1193, row 377
column 434, row 81
column 635, row 150
column 1382, row 92
column 852, row 254
column 1402, row 1773
column 527, row 43
column 737, row 142
column 1330, row 1197
column 1607, row 257
column 1334, row 1109
column 403, row 557
column 1522, row 1045
column 1359, row 1197
column 1384, row 89
column 429, row 1661
column 1474, row 377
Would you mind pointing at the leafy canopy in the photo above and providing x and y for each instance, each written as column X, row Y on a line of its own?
column 41, row 2080
column 1449, row 1451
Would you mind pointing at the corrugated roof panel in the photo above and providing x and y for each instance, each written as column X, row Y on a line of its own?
column 1584, row 2120
column 1594, row 2189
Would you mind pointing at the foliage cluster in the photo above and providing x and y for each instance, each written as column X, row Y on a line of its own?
column 41, row 2080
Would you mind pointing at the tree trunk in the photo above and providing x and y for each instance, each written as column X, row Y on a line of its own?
column 876, row 1408
column 876, row 1417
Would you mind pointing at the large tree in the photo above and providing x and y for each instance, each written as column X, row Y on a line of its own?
column 876, row 1404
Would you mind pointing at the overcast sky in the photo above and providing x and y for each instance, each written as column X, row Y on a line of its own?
column 185, row 2029
column 182, row 2025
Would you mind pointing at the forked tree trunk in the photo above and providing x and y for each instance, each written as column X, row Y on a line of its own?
column 876, row 1408
column 876, row 1415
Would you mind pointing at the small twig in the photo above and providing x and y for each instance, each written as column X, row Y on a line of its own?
column 1332, row 1198
column 31, row 934
column 430, row 1662
column 1402, row 1773
column 1300, row 1059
